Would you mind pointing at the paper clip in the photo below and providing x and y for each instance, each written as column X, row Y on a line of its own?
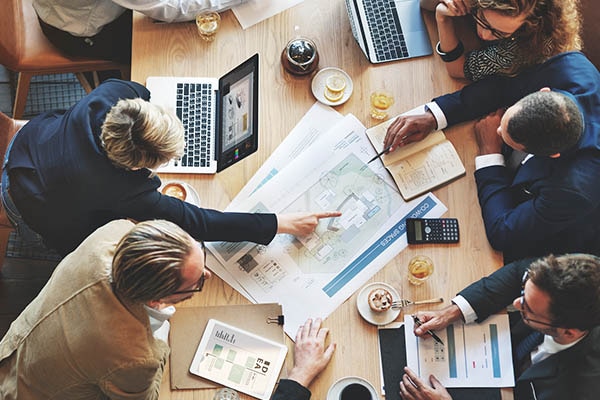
column 275, row 320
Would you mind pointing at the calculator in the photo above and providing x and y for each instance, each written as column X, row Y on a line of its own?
column 432, row 230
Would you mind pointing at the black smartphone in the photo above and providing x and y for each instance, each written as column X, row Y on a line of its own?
column 432, row 230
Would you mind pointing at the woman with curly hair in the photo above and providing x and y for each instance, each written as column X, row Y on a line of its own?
column 514, row 34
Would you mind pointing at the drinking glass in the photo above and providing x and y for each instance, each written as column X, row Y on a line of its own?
column 208, row 24
column 420, row 269
column 381, row 100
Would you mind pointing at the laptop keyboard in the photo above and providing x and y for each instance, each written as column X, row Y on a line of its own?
column 385, row 28
column 194, row 109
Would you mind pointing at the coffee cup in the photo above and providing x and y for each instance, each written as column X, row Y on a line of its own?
column 356, row 391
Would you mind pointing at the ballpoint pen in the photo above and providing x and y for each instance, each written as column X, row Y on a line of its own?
column 433, row 335
column 382, row 152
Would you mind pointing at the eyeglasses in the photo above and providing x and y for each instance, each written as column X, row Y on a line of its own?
column 481, row 21
column 524, row 304
column 200, row 283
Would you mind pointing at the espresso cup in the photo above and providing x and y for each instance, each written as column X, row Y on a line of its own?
column 356, row 391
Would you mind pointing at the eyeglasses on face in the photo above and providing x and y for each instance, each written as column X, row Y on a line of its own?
column 482, row 22
column 525, row 306
column 200, row 283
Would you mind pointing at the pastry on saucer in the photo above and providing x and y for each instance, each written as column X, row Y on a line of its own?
column 380, row 299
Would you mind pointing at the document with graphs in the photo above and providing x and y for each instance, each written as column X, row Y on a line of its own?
column 473, row 355
column 238, row 359
column 311, row 276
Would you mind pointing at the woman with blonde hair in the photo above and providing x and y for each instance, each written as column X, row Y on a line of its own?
column 514, row 34
column 67, row 173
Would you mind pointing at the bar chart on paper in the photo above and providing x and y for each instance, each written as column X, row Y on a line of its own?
column 474, row 355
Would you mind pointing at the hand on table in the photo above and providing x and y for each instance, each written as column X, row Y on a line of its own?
column 310, row 355
column 409, row 128
column 486, row 133
column 414, row 388
column 302, row 223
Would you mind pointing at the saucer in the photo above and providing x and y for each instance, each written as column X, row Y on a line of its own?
column 192, row 196
column 318, row 85
column 376, row 318
column 336, row 389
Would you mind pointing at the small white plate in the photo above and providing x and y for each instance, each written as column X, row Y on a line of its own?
column 192, row 196
column 336, row 389
column 318, row 85
column 376, row 318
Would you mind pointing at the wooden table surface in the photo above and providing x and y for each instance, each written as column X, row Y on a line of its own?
column 177, row 50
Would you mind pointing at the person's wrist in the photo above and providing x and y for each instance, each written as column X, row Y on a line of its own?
column 452, row 55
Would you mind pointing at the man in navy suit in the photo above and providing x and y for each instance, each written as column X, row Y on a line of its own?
column 558, row 297
column 543, row 205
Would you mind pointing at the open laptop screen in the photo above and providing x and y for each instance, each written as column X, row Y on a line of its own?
column 238, row 94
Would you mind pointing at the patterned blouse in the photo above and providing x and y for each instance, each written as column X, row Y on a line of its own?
column 501, row 57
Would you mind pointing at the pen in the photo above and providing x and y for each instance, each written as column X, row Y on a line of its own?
column 382, row 152
column 433, row 335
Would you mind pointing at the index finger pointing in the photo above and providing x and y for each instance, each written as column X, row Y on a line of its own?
column 328, row 214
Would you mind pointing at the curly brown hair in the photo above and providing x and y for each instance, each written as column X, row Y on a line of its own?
column 551, row 26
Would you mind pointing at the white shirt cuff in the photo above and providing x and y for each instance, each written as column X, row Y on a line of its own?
column 438, row 114
column 465, row 308
column 489, row 160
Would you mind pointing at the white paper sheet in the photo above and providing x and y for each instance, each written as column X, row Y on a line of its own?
column 254, row 11
column 312, row 276
column 473, row 355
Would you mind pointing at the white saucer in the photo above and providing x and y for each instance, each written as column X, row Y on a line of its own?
column 318, row 85
column 192, row 196
column 376, row 318
column 336, row 389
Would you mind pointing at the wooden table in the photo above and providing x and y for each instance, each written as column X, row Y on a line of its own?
column 177, row 50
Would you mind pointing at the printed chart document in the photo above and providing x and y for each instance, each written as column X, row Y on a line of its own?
column 473, row 355
column 238, row 359
column 312, row 276
column 419, row 166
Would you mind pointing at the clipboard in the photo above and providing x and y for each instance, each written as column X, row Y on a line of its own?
column 187, row 327
column 392, row 350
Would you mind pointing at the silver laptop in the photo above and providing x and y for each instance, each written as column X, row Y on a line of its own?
column 388, row 30
column 220, row 117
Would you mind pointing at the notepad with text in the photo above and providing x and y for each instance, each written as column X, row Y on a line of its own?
column 419, row 166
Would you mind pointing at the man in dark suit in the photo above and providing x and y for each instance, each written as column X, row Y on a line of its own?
column 556, row 296
column 545, row 204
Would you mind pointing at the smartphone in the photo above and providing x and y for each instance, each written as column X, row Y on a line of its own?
column 432, row 230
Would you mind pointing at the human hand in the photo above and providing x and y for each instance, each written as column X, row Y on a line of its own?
column 310, row 355
column 452, row 8
column 436, row 320
column 302, row 223
column 414, row 388
column 409, row 128
column 486, row 133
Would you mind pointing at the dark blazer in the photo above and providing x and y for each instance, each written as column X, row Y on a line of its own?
column 570, row 374
column 290, row 390
column 548, row 205
column 65, row 187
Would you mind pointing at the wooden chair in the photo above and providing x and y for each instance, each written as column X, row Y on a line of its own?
column 8, row 128
column 590, row 12
column 25, row 49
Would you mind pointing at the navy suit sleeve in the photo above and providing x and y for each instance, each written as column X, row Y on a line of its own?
column 200, row 223
column 559, row 203
column 487, row 95
column 493, row 293
column 290, row 390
